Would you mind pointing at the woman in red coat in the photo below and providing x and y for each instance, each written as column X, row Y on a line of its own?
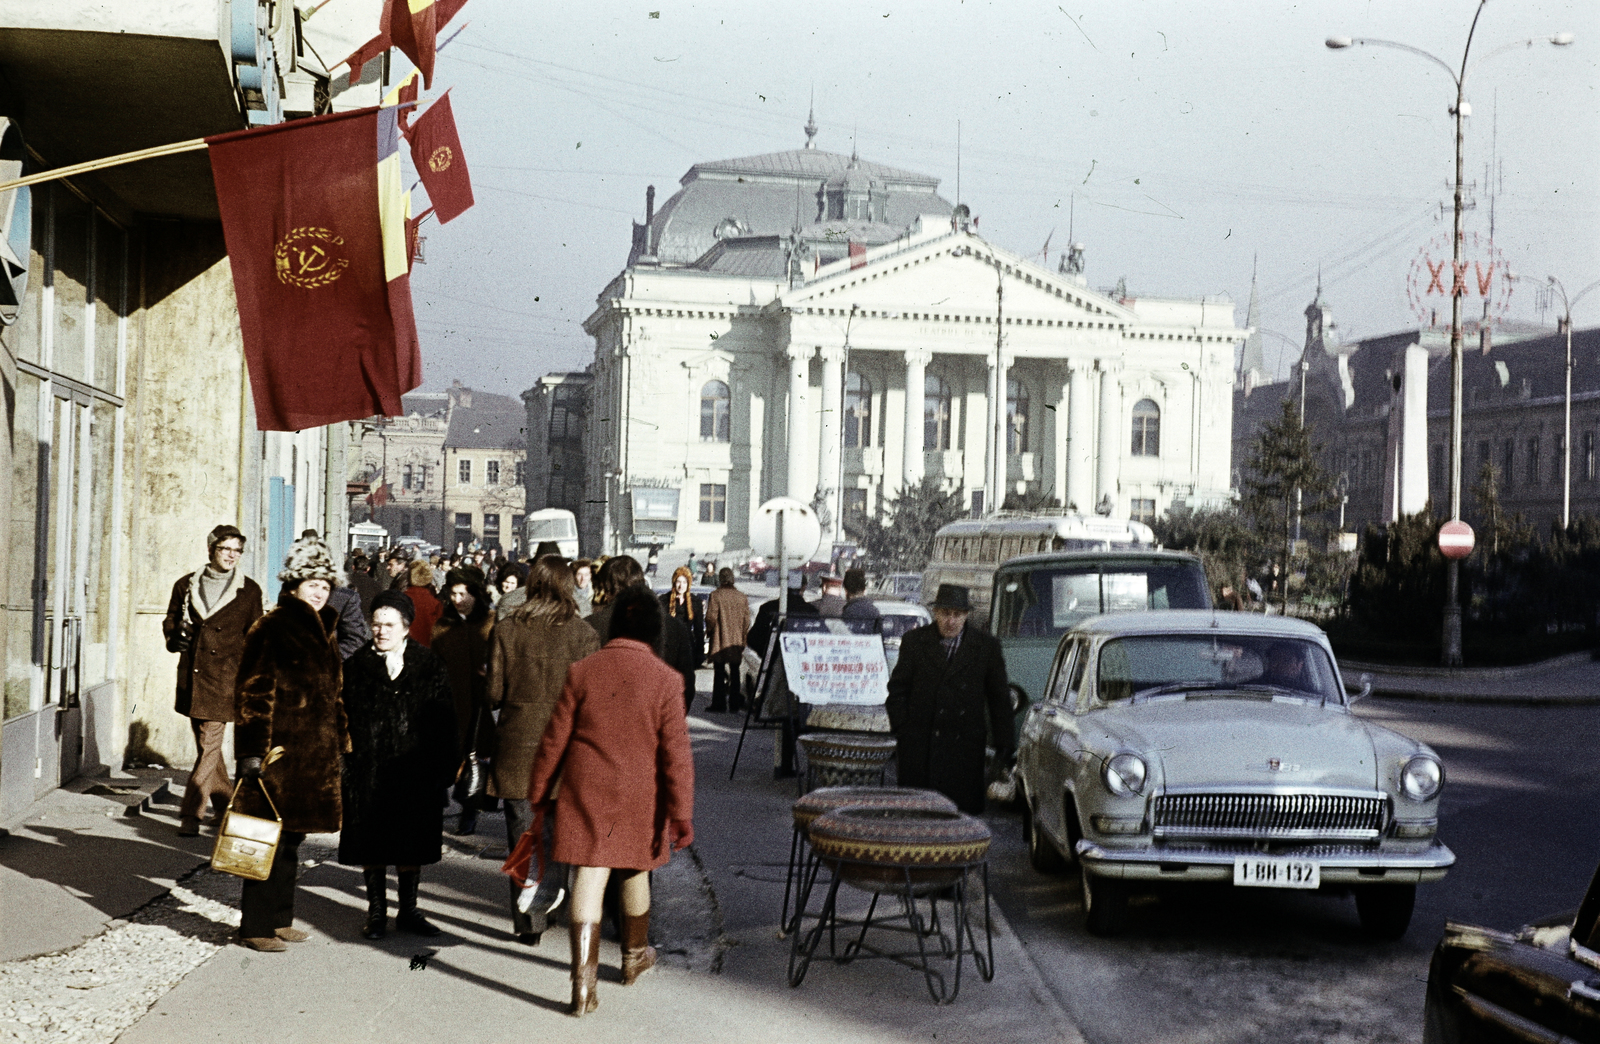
column 620, row 741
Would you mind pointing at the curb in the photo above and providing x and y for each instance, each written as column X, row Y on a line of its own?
column 1518, row 700
column 1465, row 673
column 1062, row 1023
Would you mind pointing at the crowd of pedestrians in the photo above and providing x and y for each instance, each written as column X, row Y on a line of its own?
column 366, row 692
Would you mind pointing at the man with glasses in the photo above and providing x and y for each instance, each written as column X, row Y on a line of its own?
column 210, row 611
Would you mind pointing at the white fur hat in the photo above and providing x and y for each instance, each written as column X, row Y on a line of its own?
column 308, row 559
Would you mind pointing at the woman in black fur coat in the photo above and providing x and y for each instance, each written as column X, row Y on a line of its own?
column 403, row 754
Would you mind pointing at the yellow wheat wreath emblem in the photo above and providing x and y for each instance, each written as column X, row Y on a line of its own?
column 439, row 159
column 307, row 257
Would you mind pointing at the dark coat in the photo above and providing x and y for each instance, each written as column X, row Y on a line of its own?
column 939, row 712
column 619, row 739
column 352, row 631
column 289, row 696
column 463, row 647
column 403, row 753
column 528, row 660
column 767, row 618
column 208, row 668
column 694, row 622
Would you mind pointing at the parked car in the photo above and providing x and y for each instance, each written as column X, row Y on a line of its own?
column 1207, row 746
column 1540, row 984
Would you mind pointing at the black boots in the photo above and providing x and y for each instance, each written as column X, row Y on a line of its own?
column 377, row 902
column 407, row 918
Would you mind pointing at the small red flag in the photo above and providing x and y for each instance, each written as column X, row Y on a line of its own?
column 379, row 497
column 373, row 48
column 413, row 28
column 436, row 151
column 858, row 255
column 447, row 11
column 313, row 220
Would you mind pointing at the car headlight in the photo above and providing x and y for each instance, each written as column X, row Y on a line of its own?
column 1124, row 774
column 1421, row 777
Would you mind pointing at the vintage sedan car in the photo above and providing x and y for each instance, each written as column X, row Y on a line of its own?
column 1541, row 983
column 1215, row 746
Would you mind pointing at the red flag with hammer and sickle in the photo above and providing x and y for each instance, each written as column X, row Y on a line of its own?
column 314, row 221
column 436, row 151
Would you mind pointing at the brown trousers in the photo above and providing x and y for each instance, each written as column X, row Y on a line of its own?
column 208, row 784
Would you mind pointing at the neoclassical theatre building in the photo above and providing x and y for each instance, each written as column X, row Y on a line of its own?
column 811, row 324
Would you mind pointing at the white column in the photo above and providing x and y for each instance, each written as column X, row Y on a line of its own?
column 1059, row 442
column 832, row 414
column 1413, row 485
column 1111, row 436
column 995, row 437
column 916, row 377
column 1080, row 439
column 801, row 487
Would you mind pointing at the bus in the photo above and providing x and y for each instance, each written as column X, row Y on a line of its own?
column 555, row 524
column 968, row 552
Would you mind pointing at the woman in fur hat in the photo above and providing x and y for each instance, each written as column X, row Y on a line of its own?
column 290, row 734
column 461, row 640
column 403, row 753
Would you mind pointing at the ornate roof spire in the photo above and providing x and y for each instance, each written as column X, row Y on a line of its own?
column 811, row 121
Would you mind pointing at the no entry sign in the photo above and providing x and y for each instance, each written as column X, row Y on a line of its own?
column 1455, row 539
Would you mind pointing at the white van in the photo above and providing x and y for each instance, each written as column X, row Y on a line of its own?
column 556, row 524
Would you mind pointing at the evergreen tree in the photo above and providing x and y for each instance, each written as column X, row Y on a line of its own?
column 1285, row 477
column 900, row 537
column 1223, row 539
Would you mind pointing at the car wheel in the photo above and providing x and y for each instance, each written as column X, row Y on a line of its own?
column 1385, row 910
column 1105, row 903
column 1043, row 855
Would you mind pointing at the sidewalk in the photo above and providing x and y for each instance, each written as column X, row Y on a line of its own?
column 1570, row 679
column 158, row 965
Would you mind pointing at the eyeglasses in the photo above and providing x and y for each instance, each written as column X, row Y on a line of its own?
column 230, row 549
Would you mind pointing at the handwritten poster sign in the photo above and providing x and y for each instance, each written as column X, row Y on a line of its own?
column 836, row 668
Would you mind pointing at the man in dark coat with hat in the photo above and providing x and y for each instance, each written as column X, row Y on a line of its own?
column 948, row 699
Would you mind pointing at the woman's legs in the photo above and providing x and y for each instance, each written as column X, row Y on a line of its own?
column 407, row 917
column 638, row 956
column 375, row 878
column 583, row 929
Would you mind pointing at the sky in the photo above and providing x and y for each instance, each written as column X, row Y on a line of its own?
column 1186, row 145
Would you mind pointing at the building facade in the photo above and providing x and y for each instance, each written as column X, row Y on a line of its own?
column 557, row 409
column 484, row 489
column 1380, row 409
column 129, row 415
column 401, row 463
column 843, row 334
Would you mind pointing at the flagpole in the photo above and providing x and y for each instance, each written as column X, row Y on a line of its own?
column 192, row 145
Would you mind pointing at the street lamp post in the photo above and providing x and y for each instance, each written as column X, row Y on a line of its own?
column 1566, row 411
column 1451, row 632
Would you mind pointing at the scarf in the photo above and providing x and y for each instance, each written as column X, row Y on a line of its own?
column 394, row 661
column 229, row 590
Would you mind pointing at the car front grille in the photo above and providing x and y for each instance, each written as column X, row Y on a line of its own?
column 1277, row 817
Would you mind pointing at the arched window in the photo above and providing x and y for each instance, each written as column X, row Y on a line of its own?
column 857, row 411
column 1016, row 416
column 935, row 413
column 1146, row 428
column 714, row 403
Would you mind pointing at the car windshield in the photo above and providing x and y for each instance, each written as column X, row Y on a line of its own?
column 1144, row 666
column 895, row 625
column 1050, row 599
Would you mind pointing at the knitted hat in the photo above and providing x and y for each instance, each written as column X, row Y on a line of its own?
column 308, row 560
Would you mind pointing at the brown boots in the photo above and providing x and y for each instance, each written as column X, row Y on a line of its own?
column 585, row 936
column 638, row 957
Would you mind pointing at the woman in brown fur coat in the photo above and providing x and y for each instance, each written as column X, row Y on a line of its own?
column 289, row 697
column 529, row 655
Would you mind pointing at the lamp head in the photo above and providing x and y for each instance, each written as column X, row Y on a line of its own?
column 1339, row 43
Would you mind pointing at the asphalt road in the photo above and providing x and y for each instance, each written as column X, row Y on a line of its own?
column 1521, row 810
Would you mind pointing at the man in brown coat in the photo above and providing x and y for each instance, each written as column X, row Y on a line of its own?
column 727, row 631
column 208, row 615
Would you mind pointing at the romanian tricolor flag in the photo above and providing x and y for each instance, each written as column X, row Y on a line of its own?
column 314, row 218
